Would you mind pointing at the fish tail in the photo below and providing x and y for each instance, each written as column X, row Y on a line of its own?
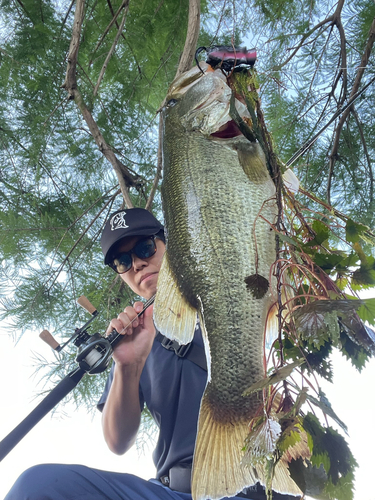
column 217, row 470
column 217, row 467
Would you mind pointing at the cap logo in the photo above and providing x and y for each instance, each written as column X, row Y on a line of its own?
column 118, row 221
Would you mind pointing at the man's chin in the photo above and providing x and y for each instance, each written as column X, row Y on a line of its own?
column 148, row 292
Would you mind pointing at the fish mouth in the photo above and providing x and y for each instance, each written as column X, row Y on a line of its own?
column 207, row 109
column 227, row 131
column 185, row 81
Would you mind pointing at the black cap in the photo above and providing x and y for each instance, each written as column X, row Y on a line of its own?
column 127, row 223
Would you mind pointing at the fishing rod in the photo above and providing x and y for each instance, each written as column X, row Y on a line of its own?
column 94, row 354
column 311, row 141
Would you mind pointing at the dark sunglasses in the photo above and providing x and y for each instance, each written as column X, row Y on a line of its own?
column 143, row 249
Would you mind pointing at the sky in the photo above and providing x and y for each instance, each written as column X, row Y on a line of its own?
column 72, row 436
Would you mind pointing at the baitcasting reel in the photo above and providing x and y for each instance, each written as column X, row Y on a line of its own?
column 94, row 351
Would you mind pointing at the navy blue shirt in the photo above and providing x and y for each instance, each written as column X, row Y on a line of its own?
column 172, row 388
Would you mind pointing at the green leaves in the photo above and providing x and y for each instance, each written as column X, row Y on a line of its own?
column 274, row 378
column 317, row 328
column 317, row 321
column 288, row 440
column 367, row 311
column 330, row 450
column 354, row 231
column 321, row 233
column 354, row 352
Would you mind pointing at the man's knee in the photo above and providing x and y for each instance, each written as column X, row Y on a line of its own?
column 41, row 482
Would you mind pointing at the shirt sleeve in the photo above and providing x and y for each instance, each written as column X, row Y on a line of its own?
column 104, row 396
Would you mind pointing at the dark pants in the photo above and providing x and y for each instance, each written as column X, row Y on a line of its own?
column 77, row 482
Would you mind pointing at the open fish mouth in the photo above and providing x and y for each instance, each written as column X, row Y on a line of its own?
column 227, row 131
column 212, row 117
column 205, row 103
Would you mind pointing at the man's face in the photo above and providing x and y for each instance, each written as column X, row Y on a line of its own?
column 142, row 277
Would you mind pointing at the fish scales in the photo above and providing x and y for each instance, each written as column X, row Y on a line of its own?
column 210, row 207
column 213, row 192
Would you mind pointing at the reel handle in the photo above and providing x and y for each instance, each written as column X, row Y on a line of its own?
column 86, row 304
column 47, row 337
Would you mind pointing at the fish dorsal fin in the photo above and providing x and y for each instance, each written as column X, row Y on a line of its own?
column 174, row 317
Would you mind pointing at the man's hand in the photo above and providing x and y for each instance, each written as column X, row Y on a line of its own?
column 138, row 336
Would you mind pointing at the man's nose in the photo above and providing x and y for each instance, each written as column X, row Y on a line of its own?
column 138, row 263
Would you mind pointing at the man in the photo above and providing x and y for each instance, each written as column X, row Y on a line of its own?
column 147, row 370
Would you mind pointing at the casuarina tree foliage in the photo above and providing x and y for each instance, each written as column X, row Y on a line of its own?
column 81, row 87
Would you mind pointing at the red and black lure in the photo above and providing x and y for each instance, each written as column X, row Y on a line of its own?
column 228, row 58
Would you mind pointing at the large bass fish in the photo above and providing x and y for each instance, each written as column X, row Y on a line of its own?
column 219, row 206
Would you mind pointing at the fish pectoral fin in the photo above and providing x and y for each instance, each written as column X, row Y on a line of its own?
column 253, row 162
column 205, row 344
column 174, row 317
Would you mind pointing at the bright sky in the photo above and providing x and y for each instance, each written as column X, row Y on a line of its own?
column 72, row 436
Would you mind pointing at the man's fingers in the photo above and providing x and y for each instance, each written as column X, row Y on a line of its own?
column 138, row 307
column 131, row 314
column 128, row 320
column 115, row 324
column 122, row 324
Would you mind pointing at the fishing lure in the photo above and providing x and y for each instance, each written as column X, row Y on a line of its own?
column 228, row 58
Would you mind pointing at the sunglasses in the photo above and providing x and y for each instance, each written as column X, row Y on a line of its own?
column 143, row 249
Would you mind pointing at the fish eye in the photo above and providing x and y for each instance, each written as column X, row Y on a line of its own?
column 171, row 103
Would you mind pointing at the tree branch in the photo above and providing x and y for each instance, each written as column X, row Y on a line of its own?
column 191, row 37
column 125, row 3
column 315, row 73
column 66, row 16
column 344, row 116
column 25, row 10
column 70, row 77
column 343, row 56
column 328, row 20
column 159, row 166
column 125, row 178
column 367, row 154
column 112, row 49
column 54, row 110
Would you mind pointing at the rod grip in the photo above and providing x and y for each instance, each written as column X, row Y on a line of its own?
column 86, row 304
